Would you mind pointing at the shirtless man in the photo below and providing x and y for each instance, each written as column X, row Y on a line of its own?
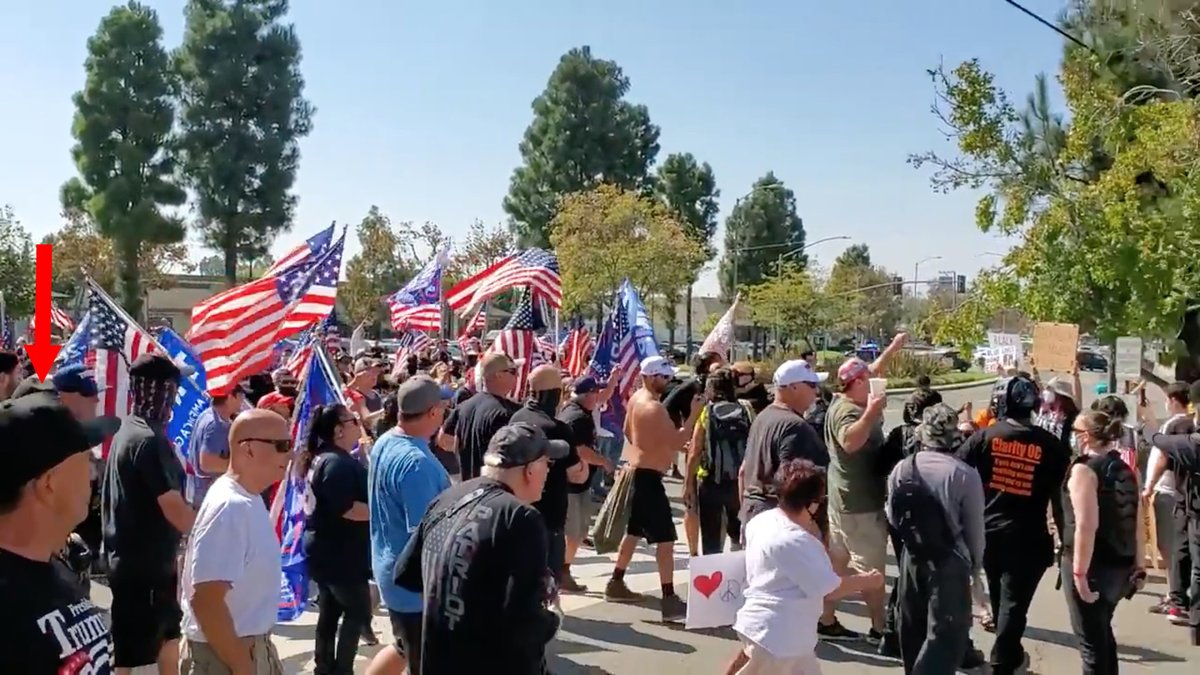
column 652, row 443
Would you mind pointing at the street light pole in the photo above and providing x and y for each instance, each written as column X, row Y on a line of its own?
column 779, row 261
column 917, row 269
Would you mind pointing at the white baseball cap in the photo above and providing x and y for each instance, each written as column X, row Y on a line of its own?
column 657, row 365
column 796, row 371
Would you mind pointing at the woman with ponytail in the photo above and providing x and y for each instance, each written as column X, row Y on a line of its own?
column 336, row 536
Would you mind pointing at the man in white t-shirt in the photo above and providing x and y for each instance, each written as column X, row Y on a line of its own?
column 232, row 571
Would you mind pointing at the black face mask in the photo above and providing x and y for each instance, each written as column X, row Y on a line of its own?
column 289, row 391
column 547, row 401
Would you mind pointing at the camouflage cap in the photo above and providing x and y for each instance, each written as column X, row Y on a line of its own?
column 939, row 428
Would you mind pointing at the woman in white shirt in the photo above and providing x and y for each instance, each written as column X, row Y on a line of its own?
column 788, row 578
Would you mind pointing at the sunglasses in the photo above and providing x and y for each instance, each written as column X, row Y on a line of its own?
column 282, row 445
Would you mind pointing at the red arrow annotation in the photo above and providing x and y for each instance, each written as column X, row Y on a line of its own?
column 41, row 352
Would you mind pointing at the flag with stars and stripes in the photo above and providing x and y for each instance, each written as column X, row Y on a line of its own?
column 107, row 342
column 418, row 305
column 58, row 319
column 534, row 268
column 627, row 339
column 312, row 248
column 519, row 340
column 576, row 347
column 409, row 342
column 234, row 332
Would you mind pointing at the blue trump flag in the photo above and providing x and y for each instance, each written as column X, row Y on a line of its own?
column 192, row 399
column 181, row 352
column 321, row 386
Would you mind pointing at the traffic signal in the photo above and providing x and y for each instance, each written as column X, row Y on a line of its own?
column 897, row 286
column 961, row 284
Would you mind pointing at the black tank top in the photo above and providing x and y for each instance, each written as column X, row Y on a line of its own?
column 1117, row 499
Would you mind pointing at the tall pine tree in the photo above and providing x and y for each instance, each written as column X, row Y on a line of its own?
column 762, row 226
column 243, row 115
column 584, row 133
column 690, row 192
column 123, row 123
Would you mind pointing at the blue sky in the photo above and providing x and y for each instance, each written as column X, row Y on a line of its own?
column 420, row 106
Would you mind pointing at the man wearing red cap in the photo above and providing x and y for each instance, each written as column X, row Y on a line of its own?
column 854, row 436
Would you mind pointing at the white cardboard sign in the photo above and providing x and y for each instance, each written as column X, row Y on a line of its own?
column 1128, row 353
column 715, row 589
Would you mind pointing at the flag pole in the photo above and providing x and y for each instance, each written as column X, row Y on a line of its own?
column 557, row 356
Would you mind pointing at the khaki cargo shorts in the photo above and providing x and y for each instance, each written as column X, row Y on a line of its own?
column 197, row 658
column 863, row 536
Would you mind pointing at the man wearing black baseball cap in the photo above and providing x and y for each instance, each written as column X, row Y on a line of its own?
column 484, row 577
column 145, row 516
column 47, row 624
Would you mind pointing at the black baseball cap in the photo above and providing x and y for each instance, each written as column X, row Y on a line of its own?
column 39, row 433
column 522, row 443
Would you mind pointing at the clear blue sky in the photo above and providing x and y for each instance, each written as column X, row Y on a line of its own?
column 421, row 105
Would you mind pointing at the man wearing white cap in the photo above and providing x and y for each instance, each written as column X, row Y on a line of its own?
column 653, row 444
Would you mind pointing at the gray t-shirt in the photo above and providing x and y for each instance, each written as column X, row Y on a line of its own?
column 211, row 436
column 959, row 489
column 855, row 483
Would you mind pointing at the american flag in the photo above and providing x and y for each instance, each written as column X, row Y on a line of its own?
column 626, row 339
column 313, row 247
column 533, row 268
column 107, row 342
column 410, row 342
column 519, row 341
column 58, row 318
column 419, row 304
column 7, row 334
column 477, row 323
column 234, row 332
column 576, row 347
column 300, row 359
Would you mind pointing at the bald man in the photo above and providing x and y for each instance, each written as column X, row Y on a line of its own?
column 232, row 571
column 544, row 399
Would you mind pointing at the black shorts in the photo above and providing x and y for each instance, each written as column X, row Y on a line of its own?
column 406, row 631
column 145, row 615
column 650, row 515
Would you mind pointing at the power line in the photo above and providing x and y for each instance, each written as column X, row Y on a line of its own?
column 1048, row 24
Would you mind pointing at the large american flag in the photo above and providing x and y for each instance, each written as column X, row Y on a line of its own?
column 58, row 318
column 313, row 247
column 107, row 342
column 519, row 341
column 534, row 268
column 234, row 332
column 576, row 347
column 419, row 304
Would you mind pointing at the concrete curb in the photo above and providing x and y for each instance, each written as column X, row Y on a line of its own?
column 987, row 381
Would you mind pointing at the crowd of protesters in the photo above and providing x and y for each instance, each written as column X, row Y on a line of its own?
column 439, row 496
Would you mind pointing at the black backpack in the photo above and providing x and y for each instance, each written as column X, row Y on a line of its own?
column 725, row 440
column 918, row 516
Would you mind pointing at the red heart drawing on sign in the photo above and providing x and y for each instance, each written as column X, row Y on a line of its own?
column 707, row 585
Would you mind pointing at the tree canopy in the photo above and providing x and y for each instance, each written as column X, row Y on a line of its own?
column 790, row 302
column 689, row 190
column 242, row 117
column 584, row 133
column 16, row 265
column 214, row 265
column 607, row 234
column 1101, row 207
column 762, row 227
column 124, row 117
column 382, row 266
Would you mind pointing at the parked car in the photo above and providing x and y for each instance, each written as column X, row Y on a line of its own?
column 1091, row 361
column 954, row 359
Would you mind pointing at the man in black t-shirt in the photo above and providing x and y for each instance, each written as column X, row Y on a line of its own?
column 47, row 624
column 144, row 517
column 470, row 426
column 578, row 414
column 545, row 394
column 1023, row 467
column 479, row 560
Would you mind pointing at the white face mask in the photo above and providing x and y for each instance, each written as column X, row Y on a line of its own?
column 1047, row 396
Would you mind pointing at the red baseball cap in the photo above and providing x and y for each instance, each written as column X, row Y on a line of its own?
column 853, row 369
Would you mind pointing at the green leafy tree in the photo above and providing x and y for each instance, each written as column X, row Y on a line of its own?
column 80, row 249
column 690, row 191
column 243, row 115
column 123, row 123
column 855, row 255
column 584, row 133
column 789, row 302
column 382, row 266
column 762, row 227
column 605, row 235
column 248, row 270
column 482, row 247
column 16, row 265
column 861, row 300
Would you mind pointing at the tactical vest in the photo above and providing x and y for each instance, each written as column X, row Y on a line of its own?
column 1117, row 499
